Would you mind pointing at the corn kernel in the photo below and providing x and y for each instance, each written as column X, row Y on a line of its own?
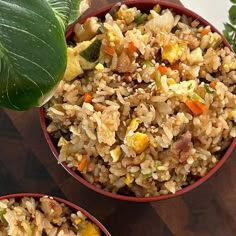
column 78, row 221
column 99, row 66
column 171, row 81
column 129, row 179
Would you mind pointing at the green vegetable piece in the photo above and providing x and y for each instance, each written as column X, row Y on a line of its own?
column 140, row 19
column 44, row 233
column 196, row 97
column 232, row 14
column 91, row 53
column 148, row 63
column 145, row 176
column 217, row 43
column 208, row 88
column 233, row 1
column 157, row 77
column 157, row 164
column 100, row 30
column 184, row 178
column 2, row 213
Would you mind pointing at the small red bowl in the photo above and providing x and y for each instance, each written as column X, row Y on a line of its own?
column 72, row 206
column 143, row 5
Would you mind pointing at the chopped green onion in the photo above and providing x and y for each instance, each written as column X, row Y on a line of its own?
column 217, row 43
column 148, row 63
column 91, row 53
column 2, row 213
column 145, row 176
column 196, row 97
column 100, row 30
column 208, row 88
column 157, row 164
column 140, row 19
column 157, row 78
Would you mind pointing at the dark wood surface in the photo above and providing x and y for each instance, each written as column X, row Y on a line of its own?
column 27, row 165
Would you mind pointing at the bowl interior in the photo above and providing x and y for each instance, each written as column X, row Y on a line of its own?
column 71, row 205
column 144, row 6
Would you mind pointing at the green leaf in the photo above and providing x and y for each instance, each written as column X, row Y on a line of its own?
column 232, row 14
column 32, row 53
column 62, row 9
column 78, row 7
column 227, row 36
column 233, row 1
column 229, row 27
column 234, row 46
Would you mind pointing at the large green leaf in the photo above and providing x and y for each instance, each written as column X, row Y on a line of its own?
column 77, row 8
column 232, row 14
column 32, row 52
column 62, row 9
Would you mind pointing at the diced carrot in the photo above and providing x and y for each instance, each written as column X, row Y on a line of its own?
column 196, row 107
column 201, row 106
column 88, row 97
column 108, row 50
column 82, row 163
column 162, row 69
column 191, row 105
column 175, row 66
column 131, row 47
column 205, row 31
column 213, row 84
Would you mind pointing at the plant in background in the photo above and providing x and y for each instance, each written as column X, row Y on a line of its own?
column 230, row 28
column 33, row 49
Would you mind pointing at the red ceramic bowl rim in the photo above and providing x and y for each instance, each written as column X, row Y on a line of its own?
column 70, row 204
column 178, row 9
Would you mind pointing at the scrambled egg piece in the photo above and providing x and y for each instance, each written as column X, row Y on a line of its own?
column 138, row 141
column 73, row 68
column 173, row 51
column 133, row 125
column 90, row 230
column 116, row 153
column 195, row 57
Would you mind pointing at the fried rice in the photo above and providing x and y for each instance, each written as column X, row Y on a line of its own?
column 42, row 217
column 147, row 103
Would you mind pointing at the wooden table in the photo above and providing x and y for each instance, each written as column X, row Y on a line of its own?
column 27, row 165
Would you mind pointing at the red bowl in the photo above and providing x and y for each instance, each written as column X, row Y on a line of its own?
column 74, row 207
column 143, row 5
